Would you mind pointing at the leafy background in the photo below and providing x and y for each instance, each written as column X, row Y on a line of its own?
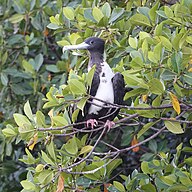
column 149, row 42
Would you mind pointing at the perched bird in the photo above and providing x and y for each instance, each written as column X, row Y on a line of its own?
column 106, row 86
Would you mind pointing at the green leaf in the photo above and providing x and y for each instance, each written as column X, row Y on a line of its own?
column 28, row 112
column 161, row 14
column 116, row 13
column 176, row 61
column 168, row 12
column 97, row 14
column 106, row 9
column 119, row 186
column 4, row 58
column 168, row 75
column 90, row 75
column 52, row 68
column 174, row 127
column 21, row 120
column 27, row 185
column 16, row 18
column 112, row 166
column 29, row 159
column 176, row 41
column 188, row 78
column 51, row 150
column 38, row 61
column 26, row 131
column 69, row 13
column 133, row 42
column 71, row 146
column 39, row 168
column 166, row 43
column 53, row 26
column 152, row 57
column 82, row 103
column 40, row 119
column 54, row 20
column 74, row 115
column 137, row 63
column 145, row 167
column 86, row 149
column 158, row 51
column 28, row 67
column 152, row 12
column 135, row 92
column 9, row 131
column 156, row 87
column 145, row 113
column 148, row 187
column 158, row 30
column 134, row 80
column 140, row 19
column 15, row 39
column 76, row 87
column 88, row 14
column 45, row 177
column 179, row 187
column 59, row 121
column 145, row 128
column 4, row 79
column 46, row 158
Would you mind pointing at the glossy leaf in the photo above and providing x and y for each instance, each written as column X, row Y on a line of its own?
column 119, row 186
column 27, row 185
column 47, row 159
column 97, row 14
column 76, row 87
column 69, row 13
column 86, row 149
column 116, row 13
column 106, row 9
column 16, row 18
column 39, row 168
column 156, row 87
column 140, row 19
column 145, row 128
column 28, row 111
column 174, row 127
column 71, row 146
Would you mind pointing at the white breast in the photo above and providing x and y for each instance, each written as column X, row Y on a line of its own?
column 105, row 89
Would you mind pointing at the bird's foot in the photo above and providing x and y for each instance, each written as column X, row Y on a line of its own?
column 109, row 125
column 92, row 123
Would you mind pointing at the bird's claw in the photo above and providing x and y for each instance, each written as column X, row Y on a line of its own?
column 92, row 122
column 109, row 125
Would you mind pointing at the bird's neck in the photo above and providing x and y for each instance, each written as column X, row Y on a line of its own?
column 96, row 58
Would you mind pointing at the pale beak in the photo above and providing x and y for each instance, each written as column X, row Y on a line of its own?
column 79, row 46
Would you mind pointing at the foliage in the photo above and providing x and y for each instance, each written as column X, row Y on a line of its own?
column 163, row 173
column 149, row 43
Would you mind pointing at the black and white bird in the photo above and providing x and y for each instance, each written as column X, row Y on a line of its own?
column 106, row 86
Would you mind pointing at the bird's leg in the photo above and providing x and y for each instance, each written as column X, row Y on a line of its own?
column 109, row 124
column 92, row 122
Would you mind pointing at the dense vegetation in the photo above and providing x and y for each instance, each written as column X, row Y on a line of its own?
column 149, row 149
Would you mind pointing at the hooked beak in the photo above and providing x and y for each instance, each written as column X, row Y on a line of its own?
column 79, row 46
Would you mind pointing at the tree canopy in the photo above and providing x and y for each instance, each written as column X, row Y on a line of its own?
column 42, row 91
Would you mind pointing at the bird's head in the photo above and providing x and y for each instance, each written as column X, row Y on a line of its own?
column 92, row 44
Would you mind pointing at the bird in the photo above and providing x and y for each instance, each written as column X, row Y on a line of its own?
column 106, row 87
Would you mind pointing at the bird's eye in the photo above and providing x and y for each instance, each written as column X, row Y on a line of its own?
column 91, row 42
